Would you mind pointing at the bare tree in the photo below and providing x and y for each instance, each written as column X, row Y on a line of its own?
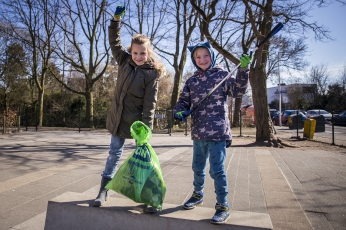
column 82, row 46
column 170, row 25
column 186, row 22
column 286, row 55
column 12, row 69
column 227, row 35
column 37, row 19
column 298, row 97
column 342, row 78
column 320, row 76
column 260, row 17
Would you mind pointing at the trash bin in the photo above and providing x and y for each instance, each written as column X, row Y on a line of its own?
column 320, row 123
column 292, row 121
column 309, row 128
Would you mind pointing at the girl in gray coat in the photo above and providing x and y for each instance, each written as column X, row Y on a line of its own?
column 135, row 94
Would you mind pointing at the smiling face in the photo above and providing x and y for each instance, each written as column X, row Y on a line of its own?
column 139, row 53
column 202, row 58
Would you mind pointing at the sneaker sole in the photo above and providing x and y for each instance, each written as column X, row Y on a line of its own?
column 99, row 204
column 223, row 222
column 192, row 207
column 150, row 210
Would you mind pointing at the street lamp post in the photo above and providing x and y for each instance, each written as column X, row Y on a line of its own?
column 279, row 90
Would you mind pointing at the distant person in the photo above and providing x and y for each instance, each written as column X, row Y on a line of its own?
column 210, row 128
column 135, row 95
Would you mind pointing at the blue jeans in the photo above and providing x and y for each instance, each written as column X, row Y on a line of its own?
column 115, row 151
column 216, row 151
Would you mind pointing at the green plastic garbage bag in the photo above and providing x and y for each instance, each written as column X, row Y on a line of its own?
column 140, row 176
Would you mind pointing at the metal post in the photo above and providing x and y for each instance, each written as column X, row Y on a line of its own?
column 280, row 122
column 18, row 123
column 4, row 126
column 26, row 118
column 79, row 119
column 297, row 122
column 240, row 123
column 19, row 119
column 186, row 127
column 169, row 121
column 333, row 128
column 36, row 114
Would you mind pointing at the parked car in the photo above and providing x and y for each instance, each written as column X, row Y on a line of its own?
column 292, row 120
column 284, row 116
column 303, row 111
column 317, row 112
column 273, row 113
column 340, row 119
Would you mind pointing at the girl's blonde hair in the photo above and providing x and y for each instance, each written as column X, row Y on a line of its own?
column 141, row 39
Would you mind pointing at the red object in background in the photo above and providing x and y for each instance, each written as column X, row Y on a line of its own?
column 249, row 113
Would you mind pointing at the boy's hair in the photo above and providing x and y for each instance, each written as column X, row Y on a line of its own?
column 198, row 48
column 205, row 45
column 141, row 39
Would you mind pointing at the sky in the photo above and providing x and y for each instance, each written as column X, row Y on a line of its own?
column 331, row 53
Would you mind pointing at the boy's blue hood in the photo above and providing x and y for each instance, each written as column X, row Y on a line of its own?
column 205, row 45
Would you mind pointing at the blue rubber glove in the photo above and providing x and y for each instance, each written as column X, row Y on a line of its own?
column 119, row 12
column 245, row 60
column 182, row 115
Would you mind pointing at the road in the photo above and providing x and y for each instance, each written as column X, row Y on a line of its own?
column 339, row 137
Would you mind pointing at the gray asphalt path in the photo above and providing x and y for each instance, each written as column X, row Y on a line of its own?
column 298, row 189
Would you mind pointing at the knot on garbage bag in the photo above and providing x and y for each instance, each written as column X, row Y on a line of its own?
column 140, row 132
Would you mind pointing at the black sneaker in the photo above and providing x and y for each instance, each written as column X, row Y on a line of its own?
column 196, row 199
column 221, row 215
column 150, row 209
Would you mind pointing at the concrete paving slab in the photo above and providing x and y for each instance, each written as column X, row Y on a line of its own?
column 34, row 223
column 282, row 205
column 75, row 211
column 316, row 179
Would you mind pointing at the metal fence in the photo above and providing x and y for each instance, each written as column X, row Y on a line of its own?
column 164, row 123
column 28, row 118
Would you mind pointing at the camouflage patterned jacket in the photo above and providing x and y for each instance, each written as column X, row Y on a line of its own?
column 210, row 120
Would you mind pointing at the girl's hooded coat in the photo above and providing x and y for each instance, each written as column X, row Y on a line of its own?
column 135, row 94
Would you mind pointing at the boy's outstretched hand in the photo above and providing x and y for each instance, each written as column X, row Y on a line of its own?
column 245, row 60
column 119, row 12
column 182, row 115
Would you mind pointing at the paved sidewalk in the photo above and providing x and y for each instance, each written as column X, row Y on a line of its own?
column 298, row 189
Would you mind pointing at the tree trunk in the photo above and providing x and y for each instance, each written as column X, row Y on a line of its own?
column 89, row 114
column 40, row 106
column 176, row 87
column 230, row 111
column 237, row 106
column 264, row 130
